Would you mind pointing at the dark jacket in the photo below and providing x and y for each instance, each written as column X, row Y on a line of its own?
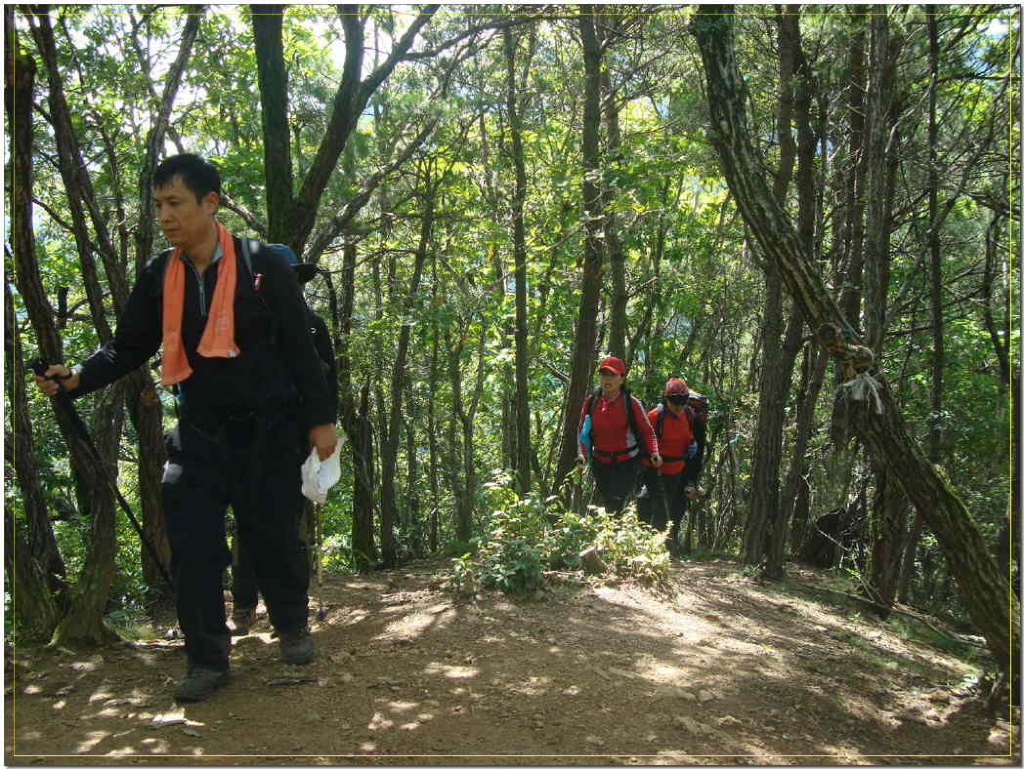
column 325, row 349
column 277, row 368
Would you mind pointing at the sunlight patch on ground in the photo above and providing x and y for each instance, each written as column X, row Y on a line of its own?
column 355, row 616
column 402, row 706
column 452, row 671
column 92, row 739
column 660, row 672
column 155, row 745
column 409, row 627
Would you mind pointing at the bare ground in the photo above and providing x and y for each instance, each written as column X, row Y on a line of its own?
column 717, row 668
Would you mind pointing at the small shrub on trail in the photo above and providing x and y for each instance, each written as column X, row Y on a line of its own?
column 529, row 543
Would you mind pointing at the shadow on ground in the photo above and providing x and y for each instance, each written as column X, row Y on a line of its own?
column 715, row 669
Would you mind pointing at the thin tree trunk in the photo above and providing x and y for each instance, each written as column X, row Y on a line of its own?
column 432, row 424
column 794, row 499
column 83, row 623
column 888, row 517
column 521, row 407
column 610, row 25
column 267, row 23
column 764, row 522
column 460, row 490
column 938, row 353
column 38, row 607
column 412, row 487
column 20, row 77
column 353, row 416
column 389, row 454
column 985, row 590
column 586, row 325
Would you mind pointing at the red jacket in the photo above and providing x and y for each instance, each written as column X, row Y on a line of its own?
column 609, row 429
column 674, row 438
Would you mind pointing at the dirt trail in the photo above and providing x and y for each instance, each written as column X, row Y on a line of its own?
column 717, row 669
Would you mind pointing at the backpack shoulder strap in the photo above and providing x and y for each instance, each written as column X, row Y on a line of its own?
column 659, row 425
column 592, row 399
column 249, row 247
column 627, row 402
column 166, row 254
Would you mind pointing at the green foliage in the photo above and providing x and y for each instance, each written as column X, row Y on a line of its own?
column 529, row 542
column 695, row 286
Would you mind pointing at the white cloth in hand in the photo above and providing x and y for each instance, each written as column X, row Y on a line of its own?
column 318, row 477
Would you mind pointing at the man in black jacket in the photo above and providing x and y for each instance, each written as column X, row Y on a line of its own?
column 248, row 411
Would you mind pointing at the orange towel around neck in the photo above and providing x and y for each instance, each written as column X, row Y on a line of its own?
column 218, row 339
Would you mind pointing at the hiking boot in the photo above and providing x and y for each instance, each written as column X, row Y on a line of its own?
column 297, row 647
column 200, row 684
column 241, row 620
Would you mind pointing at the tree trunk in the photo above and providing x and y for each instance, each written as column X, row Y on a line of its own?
column 72, row 169
column 461, row 491
column 888, row 536
column 764, row 515
column 293, row 219
column 413, row 524
column 267, row 22
column 607, row 31
column 521, row 402
column 585, row 338
column 42, row 544
column 36, row 609
column 389, row 454
column 938, row 356
column 35, row 570
column 144, row 232
column 985, row 590
column 794, row 497
column 20, row 70
column 850, row 232
column 433, row 427
column 887, row 517
column 83, row 624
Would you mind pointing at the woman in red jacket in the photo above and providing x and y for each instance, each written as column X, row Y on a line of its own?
column 664, row 498
column 611, row 438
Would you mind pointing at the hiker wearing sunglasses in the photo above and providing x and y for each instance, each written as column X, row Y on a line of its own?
column 614, row 434
column 668, row 489
column 251, row 398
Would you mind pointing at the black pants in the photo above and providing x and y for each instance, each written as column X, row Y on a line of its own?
column 252, row 465
column 245, row 590
column 615, row 481
column 662, row 500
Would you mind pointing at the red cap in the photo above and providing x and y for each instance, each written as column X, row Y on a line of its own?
column 676, row 386
column 613, row 364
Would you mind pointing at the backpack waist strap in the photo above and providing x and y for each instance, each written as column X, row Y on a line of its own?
column 631, row 451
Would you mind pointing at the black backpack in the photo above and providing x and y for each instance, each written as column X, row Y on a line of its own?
column 627, row 399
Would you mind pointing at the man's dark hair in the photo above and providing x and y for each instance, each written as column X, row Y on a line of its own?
column 197, row 174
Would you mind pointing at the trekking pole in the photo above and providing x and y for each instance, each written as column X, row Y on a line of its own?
column 63, row 399
column 318, row 511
